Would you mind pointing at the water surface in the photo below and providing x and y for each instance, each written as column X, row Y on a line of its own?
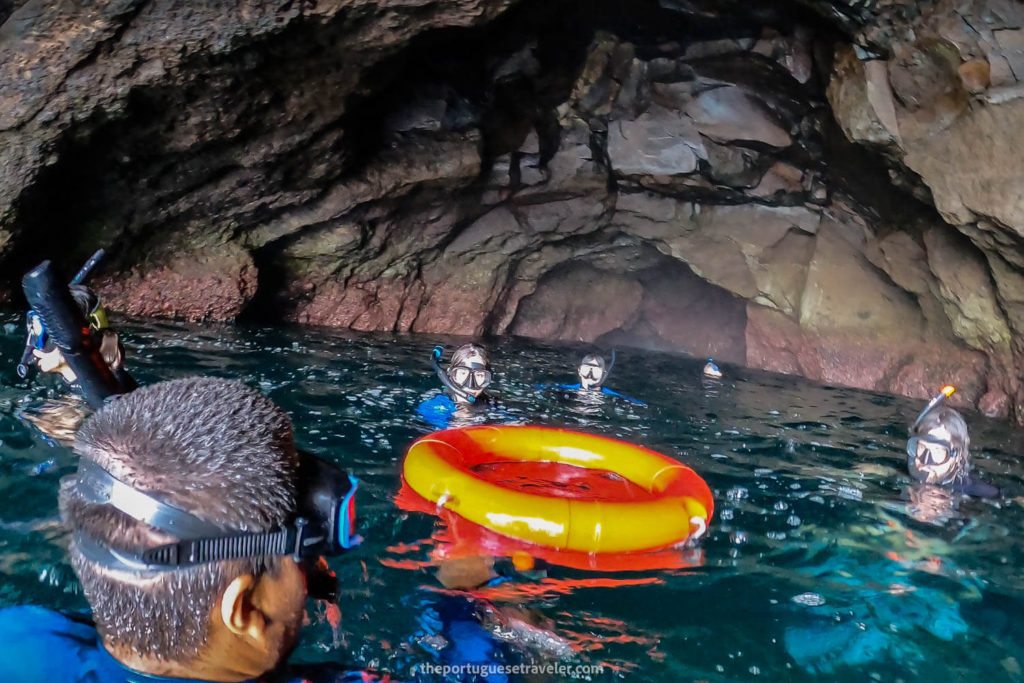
column 818, row 564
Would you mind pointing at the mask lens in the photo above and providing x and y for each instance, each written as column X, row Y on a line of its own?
column 481, row 378
column 590, row 371
column 460, row 375
column 929, row 451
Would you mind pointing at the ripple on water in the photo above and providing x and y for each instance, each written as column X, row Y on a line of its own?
column 814, row 564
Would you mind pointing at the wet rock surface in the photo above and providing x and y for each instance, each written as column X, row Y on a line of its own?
column 828, row 189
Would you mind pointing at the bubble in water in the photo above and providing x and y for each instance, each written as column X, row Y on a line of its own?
column 809, row 599
column 738, row 537
column 754, row 671
column 793, row 520
column 850, row 493
column 736, row 493
column 726, row 514
column 781, row 505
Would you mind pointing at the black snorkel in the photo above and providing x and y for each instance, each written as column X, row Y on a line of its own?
column 27, row 366
column 608, row 370
column 943, row 394
column 86, row 270
column 64, row 323
column 435, row 357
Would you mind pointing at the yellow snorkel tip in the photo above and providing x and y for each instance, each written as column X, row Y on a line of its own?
column 943, row 394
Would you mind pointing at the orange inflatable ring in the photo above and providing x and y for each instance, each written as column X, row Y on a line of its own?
column 669, row 504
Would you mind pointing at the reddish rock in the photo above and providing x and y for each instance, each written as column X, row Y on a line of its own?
column 212, row 285
column 863, row 360
column 975, row 75
column 995, row 404
column 364, row 306
column 579, row 303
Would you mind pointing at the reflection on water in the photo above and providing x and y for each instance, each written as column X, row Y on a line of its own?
column 821, row 561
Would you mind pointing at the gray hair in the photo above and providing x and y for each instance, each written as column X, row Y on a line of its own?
column 212, row 447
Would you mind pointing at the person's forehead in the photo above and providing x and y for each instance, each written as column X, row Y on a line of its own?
column 940, row 432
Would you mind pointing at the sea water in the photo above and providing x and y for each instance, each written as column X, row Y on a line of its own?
column 821, row 560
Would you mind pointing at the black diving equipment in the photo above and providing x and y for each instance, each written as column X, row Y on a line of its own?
column 940, row 452
column 62, row 323
column 323, row 523
column 935, row 461
column 592, row 371
column 449, row 384
column 37, row 339
column 597, row 372
column 943, row 394
column 86, row 270
column 471, row 374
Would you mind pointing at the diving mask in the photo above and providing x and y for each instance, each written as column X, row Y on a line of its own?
column 932, row 460
column 323, row 523
column 591, row 371
column 470, row 376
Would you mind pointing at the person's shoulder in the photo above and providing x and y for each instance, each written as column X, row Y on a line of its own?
column 628, row 399
column 32, row 621
column 40, row 644
column 439, row 403
column 981, row 489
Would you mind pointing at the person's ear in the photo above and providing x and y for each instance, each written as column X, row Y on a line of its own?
column 237, row 610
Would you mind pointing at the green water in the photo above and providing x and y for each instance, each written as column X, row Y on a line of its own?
column 817, row 564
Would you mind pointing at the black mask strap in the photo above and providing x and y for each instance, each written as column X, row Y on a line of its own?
column 205, row 542
column 289, row 540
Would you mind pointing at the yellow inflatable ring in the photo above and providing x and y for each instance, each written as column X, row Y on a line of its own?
column 444, row 468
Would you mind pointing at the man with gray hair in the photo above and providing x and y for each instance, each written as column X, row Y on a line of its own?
column 194, row 525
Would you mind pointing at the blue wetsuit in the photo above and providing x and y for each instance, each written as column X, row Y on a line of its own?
column 437, row 411
column 441, row 412
column 43, row 645
column 604, row 390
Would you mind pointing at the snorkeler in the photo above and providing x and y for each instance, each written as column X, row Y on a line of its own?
column 593, row 373
column 50, row 343
column 195, row 527
column 711, row 369
column 68, row 335
column 467, row 377
column 938, row 451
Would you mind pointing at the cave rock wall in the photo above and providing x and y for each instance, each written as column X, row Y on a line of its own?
column 822, row 189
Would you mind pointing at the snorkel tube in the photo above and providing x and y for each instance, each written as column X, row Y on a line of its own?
column 608, row 370
column 52, row 302
column 435, row 357
column 33, row 341
column 943, row 394
column 86, row 270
